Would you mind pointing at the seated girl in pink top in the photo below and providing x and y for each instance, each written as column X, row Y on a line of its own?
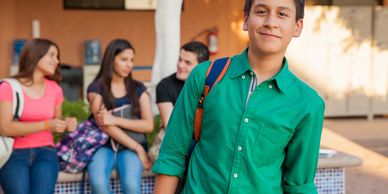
column 33, row 165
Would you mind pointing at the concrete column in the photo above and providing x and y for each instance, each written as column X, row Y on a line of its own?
column 167, row 26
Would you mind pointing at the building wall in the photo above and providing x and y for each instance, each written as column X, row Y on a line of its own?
column 7, row 32
column 70, row 28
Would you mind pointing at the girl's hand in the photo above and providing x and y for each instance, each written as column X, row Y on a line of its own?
column 56, row 125
column 104, row 118
column 143, row 157
column 71, row 123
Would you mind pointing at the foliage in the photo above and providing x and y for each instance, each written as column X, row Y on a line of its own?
column 78, row 109
column 157, row 127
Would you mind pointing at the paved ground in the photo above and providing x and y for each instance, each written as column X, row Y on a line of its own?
column 367, row 140
column 371, row 134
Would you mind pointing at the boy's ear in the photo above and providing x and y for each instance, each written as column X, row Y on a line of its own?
column 245, row 24
column 298, row 28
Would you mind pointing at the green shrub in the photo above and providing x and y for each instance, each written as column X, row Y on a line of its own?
column 157, row 127
column 78, row 109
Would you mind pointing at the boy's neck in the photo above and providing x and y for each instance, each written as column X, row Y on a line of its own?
column 265, row 66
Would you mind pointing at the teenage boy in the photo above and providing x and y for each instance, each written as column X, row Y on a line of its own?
column 168, row 90
column 261, row 125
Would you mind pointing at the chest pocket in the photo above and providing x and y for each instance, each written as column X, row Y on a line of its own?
column 270, row 146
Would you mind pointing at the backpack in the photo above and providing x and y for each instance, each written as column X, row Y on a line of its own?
column 215, row 73
column 6, row 143
column 76, row 149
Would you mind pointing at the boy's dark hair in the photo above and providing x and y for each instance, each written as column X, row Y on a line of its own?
column 199, row 49
column 299, row 5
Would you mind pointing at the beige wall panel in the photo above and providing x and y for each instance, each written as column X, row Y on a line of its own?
column 360, row 62
column 334, row 56
column 353, row 2
column 308, row 54
column 380, row 65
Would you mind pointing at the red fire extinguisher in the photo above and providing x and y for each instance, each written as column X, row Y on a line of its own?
column 213, row 40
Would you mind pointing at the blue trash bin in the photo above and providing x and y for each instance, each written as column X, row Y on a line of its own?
column 92, row 52
column 18, row 45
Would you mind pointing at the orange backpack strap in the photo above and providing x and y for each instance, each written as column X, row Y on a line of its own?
column 215, row 72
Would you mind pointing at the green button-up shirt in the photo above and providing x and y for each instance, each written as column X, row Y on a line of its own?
column 269, row 145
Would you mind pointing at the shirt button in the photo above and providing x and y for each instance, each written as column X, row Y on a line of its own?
column 235, row 175
column 243, row 76
column 270, row 86
column 239, row 148
column 246, row 120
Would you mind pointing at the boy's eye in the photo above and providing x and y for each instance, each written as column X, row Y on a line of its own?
column 283, row 14
column 261, row 12
column 188, row 63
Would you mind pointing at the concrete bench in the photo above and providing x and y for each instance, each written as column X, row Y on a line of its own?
column 72, row 183
column 329, row 178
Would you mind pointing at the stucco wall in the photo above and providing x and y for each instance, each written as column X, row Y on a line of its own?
column 70, row 28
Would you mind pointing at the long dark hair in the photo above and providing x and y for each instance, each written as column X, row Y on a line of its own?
column 32, row 52
column 104, row 76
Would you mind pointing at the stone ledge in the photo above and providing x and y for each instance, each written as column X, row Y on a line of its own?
column 74, row 177
column 339, row 160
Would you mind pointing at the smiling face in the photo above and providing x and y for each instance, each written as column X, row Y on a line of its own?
column 187, row 62
column 271, row 25
column 49, row 62
column 123, row 63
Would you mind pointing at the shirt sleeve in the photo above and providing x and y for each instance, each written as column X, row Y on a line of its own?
column 179, row 133
column 6, row 92
column 302, row 154
column 140, row 88
column 94, row 87
column 162, row 92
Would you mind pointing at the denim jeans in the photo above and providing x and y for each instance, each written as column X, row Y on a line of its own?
column 128, row 167
column 30, row 171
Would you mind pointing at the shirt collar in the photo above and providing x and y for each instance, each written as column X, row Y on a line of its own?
column 242, row 64
column 282, row 78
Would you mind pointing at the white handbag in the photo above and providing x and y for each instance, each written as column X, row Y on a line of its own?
column 5, row 149
column 6, row 143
